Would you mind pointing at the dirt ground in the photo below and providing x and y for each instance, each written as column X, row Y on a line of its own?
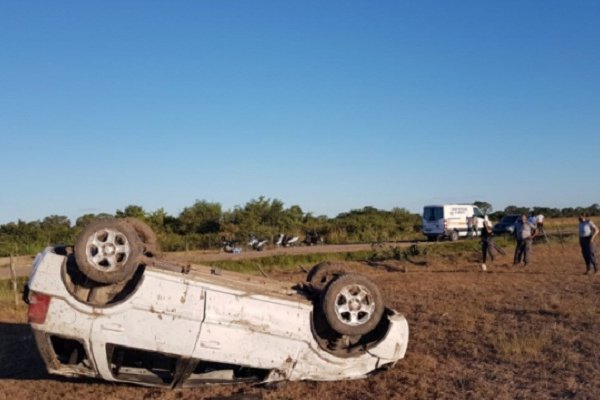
column 513, row 332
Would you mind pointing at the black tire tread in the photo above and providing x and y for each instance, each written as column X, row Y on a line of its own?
column 323, row 273
column 146, row 234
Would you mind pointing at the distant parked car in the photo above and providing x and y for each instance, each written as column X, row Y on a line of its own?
column 506, row 225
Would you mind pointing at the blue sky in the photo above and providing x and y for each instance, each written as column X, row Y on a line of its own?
column 330, row 105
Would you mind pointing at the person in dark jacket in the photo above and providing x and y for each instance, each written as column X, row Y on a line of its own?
column 488, row 247
column 587, row 233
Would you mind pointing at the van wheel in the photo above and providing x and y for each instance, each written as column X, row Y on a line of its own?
column 453, row 236
column 108, row 251
column 352, row 305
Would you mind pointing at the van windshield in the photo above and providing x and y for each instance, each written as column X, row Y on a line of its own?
column 433, row 213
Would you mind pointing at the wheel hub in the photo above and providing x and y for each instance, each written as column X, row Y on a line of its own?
column 109, row 249
column 354, row 305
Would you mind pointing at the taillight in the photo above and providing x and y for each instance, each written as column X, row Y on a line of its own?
column 38, row 307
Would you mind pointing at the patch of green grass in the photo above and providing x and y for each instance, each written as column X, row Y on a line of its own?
column 6, row 289
column 287, row 262
column 382, row 253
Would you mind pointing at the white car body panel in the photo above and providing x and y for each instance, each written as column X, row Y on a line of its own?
column 224, row 318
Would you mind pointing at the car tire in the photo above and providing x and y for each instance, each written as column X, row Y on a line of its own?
column 352, row 305
column 323, row 273
column 146, row 235
column 108, row 251
column 453, row 236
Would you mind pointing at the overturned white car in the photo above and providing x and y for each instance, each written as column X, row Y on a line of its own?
column 109, row 308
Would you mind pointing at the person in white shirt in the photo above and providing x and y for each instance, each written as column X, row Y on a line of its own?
column 540, row 223
column 587, row 233
column 524, row 233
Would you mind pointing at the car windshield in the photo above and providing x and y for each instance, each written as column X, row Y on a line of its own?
column 433, row 213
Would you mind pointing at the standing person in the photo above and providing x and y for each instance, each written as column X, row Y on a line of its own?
column 540, row 223
column 470, row 226
column 487, row 244
column 524, row 233
column 587, row 233
column 532, row 219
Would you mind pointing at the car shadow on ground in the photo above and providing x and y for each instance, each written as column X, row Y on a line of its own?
column 19, row 358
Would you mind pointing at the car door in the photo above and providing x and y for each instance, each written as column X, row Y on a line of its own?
column 143, row 337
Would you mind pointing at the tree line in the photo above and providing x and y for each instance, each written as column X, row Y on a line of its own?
column 548, row 212
column 204, row 225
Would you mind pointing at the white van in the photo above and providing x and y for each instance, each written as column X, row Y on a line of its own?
column 450, row 220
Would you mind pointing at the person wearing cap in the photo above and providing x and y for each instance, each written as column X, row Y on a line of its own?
column 524, row 233
column 587, row 233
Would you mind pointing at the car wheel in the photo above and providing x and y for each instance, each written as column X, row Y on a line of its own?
column 453, row 236
column 108, row 251
column 146, row 235
column 352, row 305
column 321, row 274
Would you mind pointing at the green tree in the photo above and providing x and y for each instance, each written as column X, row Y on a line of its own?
column 160, row 221
column 484, row 206
column 515, row 210
column 364, row 225
column 406, row 222
column 57, row 229
column 22, row 238
column 263, row 217
column 132, row 211
column 202, row 217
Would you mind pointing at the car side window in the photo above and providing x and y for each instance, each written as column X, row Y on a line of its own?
column 477, row 212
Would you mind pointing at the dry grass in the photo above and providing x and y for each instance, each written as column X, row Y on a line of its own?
column 512, row 333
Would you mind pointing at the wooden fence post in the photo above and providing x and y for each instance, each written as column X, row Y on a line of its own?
column 13, row 276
